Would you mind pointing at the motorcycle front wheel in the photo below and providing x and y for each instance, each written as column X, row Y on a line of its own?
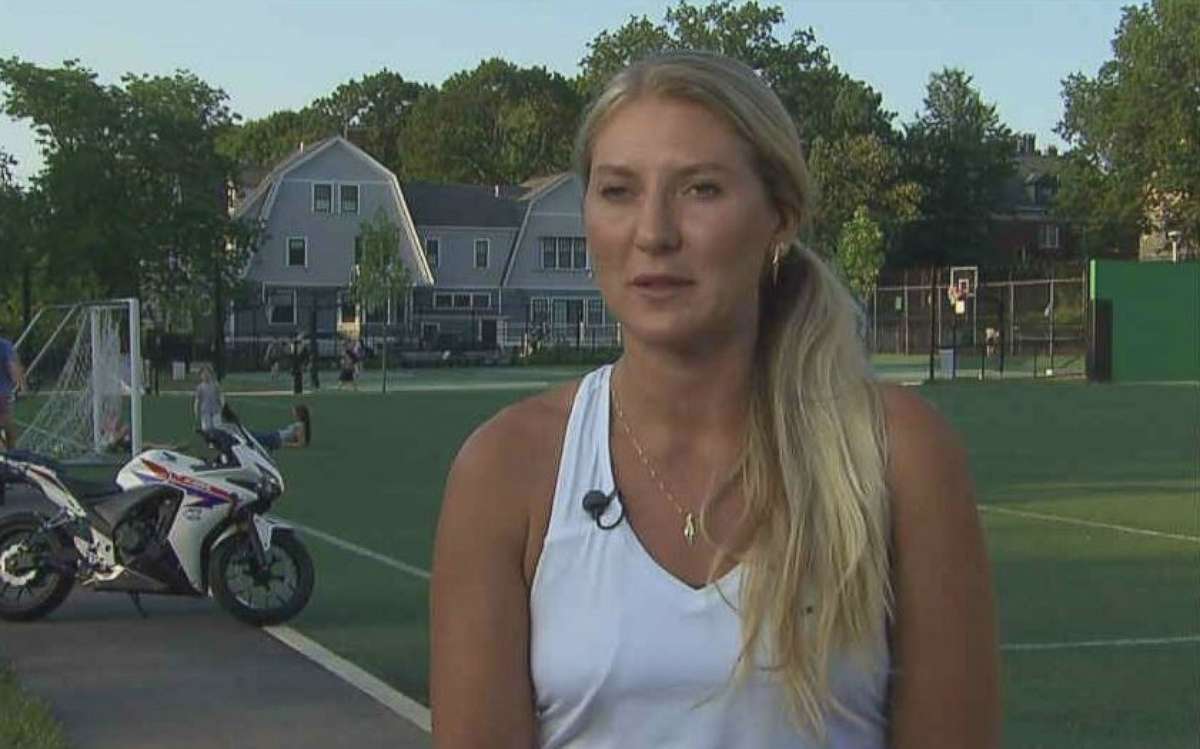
column 261, row 594
column 30, row 585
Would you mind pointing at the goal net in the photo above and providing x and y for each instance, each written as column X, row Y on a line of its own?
column 87, row 375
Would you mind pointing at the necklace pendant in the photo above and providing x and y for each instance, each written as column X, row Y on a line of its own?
column 689, row 529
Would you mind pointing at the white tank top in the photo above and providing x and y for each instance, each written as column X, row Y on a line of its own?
column 624, row 654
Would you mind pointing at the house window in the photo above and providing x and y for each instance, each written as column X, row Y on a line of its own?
column 462, row 301
column 481, row 252
column 564, row 253
column 595, row 312
column 539, row 310
column 349, row 312
column 443, row 301
column 1048, row 236
column 432, row 247
column 579, row 253
column 322, row 198
column 358, row 250
column 348, row 195
column 281, row 307
column 297, row 252
column 481, row 301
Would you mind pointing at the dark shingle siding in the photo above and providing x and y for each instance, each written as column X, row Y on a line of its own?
column 464, row 205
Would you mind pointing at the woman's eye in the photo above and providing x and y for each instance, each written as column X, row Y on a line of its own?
column 705, row 189
column 613, row 192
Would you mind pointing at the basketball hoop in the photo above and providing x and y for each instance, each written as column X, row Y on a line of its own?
column 957, row 294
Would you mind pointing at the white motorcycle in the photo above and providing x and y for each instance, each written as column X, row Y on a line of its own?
column 170, row 524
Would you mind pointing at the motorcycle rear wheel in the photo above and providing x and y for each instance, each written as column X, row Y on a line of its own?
column 249, row 591
column 30, row 587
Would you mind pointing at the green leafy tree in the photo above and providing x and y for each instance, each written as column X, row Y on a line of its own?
column 261, row 143
column 380, row 275
column 134, row 192
column 961, row 154
column 372, row 113
column 497, row 123
column 860, row 254
column 1133, row 128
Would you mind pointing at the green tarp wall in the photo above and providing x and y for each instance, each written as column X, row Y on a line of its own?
column 1156, row 318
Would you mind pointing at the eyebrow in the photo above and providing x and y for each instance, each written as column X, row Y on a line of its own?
column 619, row 170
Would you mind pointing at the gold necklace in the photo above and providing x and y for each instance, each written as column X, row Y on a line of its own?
column 689, row 517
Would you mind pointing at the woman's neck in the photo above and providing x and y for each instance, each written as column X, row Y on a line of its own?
column 673, row 398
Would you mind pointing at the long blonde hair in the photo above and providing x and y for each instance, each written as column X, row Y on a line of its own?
column 815, row 576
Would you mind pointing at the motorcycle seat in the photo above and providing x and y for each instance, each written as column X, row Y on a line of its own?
column 90, row 489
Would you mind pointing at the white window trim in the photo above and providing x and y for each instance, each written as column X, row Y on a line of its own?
column 486, row 294
column 487, row 253
column 287, row 257
column 271, row 308
column 1049, row 231
column 438, row 261
column 587, row 256
column 332, row 194
column 437, row 294
column 357, row 200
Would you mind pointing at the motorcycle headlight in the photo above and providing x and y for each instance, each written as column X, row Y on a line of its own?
column 268, row 488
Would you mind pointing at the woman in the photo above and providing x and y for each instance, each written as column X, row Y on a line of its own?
column 296, row 434
column 799, row 563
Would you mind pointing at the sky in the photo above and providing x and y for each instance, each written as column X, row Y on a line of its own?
column 269, row 54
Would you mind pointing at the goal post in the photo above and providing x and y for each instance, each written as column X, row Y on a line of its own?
column 88, row 372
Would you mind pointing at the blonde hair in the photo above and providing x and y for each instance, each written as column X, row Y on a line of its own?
column 816, row 575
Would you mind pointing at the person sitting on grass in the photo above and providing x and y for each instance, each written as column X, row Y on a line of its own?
column 296, row 434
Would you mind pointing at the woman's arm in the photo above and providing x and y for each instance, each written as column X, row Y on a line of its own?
column 945, row 689
column 480, row 686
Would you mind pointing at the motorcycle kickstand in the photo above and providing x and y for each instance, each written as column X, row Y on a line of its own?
column 137, row 603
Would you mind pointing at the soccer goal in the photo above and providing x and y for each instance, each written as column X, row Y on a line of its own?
column 86, row 369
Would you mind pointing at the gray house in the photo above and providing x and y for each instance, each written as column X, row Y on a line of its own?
column 311, row 207
column 494, row 266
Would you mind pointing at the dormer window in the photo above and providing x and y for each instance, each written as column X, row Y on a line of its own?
column 348, row 195
column 322, row 198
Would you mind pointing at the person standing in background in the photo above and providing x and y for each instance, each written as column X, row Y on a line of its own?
column 12, row 380
column 207, row 403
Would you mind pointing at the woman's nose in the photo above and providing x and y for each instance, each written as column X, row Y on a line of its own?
column 657, row 230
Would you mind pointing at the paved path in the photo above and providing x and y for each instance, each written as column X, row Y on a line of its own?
column 189, row 677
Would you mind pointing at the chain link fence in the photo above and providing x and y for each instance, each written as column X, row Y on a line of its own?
column 1006, row 328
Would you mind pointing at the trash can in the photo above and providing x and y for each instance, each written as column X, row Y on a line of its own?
column 946, row 362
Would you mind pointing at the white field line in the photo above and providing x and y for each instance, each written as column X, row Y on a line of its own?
column 413, row 388
column 1128, row 643
column 1088, row 523
column 361, row 551
column 424, row 575
column 407, row 708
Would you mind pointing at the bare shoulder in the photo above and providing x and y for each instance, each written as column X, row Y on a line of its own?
column 505, row 471
column 505, row 447
column 923, row 448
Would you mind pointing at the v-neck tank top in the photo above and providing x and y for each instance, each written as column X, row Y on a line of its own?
column 624, row 654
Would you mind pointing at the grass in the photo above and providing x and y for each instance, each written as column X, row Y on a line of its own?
column 25, row 721
column 1121, row 455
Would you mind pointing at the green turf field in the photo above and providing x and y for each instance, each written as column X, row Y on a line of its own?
column 1088, row 496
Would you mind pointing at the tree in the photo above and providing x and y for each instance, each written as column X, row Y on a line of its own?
column 961, row 154
column 380, row 275
column 1134, row 130
column 849, row 136
column 495, row 124
column 134, row 192
column 264, row 142
column 372, row 113
column 860, row 252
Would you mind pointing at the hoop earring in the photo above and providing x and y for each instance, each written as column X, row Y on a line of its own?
column 776, row 258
